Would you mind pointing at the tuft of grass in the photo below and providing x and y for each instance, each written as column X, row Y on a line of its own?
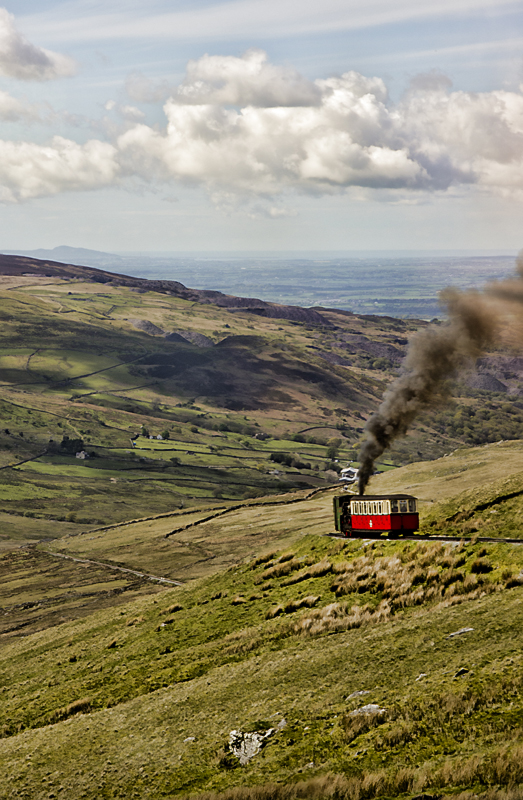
column 173, row 608
column 238, row 600
column 304, row 602
column 275, row 611
column 263, row 559
column 280, row 569
column 82, row 706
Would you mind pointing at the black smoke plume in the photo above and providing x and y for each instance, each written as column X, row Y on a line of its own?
column 435, row 354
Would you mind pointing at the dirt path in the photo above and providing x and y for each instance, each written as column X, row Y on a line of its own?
column 114, row 567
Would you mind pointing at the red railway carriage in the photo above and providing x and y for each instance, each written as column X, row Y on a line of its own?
column 374, row 514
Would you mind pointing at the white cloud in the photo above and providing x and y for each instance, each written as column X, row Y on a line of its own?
column 249, row 80
column 345, row 138
column 228, row 80
column 251, row 142
column 349, row 134
column 30, row 170
column 127, row 112
column 131, row 113
column 22, row 60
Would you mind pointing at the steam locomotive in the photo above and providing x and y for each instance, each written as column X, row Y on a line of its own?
column 375, row 514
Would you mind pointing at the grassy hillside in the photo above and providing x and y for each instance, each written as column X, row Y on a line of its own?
column 476, row 491
column 166, row 591
column 139, row 701
column 251, row 405
column 77, row 374
column 144, row 692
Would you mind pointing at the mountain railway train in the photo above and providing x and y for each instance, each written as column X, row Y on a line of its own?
column 376, row 514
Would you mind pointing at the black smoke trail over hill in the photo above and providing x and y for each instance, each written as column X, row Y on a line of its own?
column 434, row 355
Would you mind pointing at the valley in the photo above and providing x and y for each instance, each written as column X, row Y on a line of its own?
column 167, row 469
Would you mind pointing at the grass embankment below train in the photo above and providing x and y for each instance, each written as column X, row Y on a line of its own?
column 139, row 700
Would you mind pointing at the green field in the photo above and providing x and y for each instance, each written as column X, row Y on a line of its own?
column 161, row 593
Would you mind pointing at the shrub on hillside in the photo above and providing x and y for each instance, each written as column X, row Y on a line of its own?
column 281, row 458
column 71, row 446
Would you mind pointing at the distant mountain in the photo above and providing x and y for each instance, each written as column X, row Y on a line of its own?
column 80, row 256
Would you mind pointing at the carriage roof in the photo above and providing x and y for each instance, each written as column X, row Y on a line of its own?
column 379, row 497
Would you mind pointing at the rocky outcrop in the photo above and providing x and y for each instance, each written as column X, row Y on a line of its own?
column 486, row 382
column 147, row 327
column 247, row 745
column 199, row 339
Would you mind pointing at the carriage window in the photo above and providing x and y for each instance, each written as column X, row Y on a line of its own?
column 412, row 505
column 386, row 507
column 380, row 507
column 394, row 506
column 403, row 506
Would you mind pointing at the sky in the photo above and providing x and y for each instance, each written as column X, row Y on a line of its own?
column 261, row 125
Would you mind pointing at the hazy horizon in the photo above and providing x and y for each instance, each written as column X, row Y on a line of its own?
column 335, row 253
column 400, row 284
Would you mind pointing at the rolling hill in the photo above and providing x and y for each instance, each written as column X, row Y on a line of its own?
column 177, row 620
column 382, row 669
column 253, row 399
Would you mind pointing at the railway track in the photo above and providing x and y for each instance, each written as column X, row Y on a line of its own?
column 426, row 538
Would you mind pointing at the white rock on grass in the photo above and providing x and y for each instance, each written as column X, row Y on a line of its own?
column 460, row 632
column 358, row 694
column 247, row 745
column 370, row 708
